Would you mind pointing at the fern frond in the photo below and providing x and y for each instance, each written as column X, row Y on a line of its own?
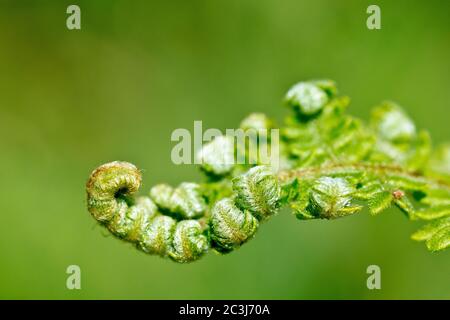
column 330, row 166
column 436, row 234
column 380, row 201
column 433, row 212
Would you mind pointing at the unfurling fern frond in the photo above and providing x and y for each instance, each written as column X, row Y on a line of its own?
column 329, row 165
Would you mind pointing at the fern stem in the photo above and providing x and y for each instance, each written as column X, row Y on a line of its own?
column 385, row 170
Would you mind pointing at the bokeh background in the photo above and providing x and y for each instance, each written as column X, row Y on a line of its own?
column 137, row 70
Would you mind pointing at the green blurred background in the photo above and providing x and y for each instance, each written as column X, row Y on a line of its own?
column 137, row 70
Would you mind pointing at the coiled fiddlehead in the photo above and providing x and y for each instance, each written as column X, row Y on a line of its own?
column 140, row 221
column 231, row 226
column 332, row 164
column 148, row 221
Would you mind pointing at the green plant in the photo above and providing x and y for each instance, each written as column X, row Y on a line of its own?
column 331, row 166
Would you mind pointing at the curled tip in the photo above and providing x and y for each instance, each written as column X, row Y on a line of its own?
column 257, row 121
column 331, row 198
column 112, row 177
column 231, row 227
column 329, row 86
column 258, row 191
column 217, row 157
column 107, row 184
column 307, row 98
column 440, row 160
column 392, row 123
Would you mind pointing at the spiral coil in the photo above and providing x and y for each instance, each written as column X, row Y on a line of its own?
column 170, row 222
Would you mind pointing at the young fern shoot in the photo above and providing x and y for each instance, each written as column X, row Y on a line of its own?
column 331, row 165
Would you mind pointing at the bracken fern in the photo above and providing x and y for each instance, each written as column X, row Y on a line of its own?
column 331, row 165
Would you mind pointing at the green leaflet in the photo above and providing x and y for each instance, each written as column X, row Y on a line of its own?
column 428, row 230
column 436, row 234
column 433, row 213
column 440, row 240
column 407, row 182
column 290, row 192
column 301, row 206
column 332, row 136
column 330, row 165
column 368, row 191
column 405, row 205
column 429, row 200
column 380, row 201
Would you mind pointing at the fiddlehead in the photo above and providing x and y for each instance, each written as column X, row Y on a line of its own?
column 332, row 165
column 185, row 200
column 217, row 157
column 258, row 191
column 141, row 221
column 230, row 226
